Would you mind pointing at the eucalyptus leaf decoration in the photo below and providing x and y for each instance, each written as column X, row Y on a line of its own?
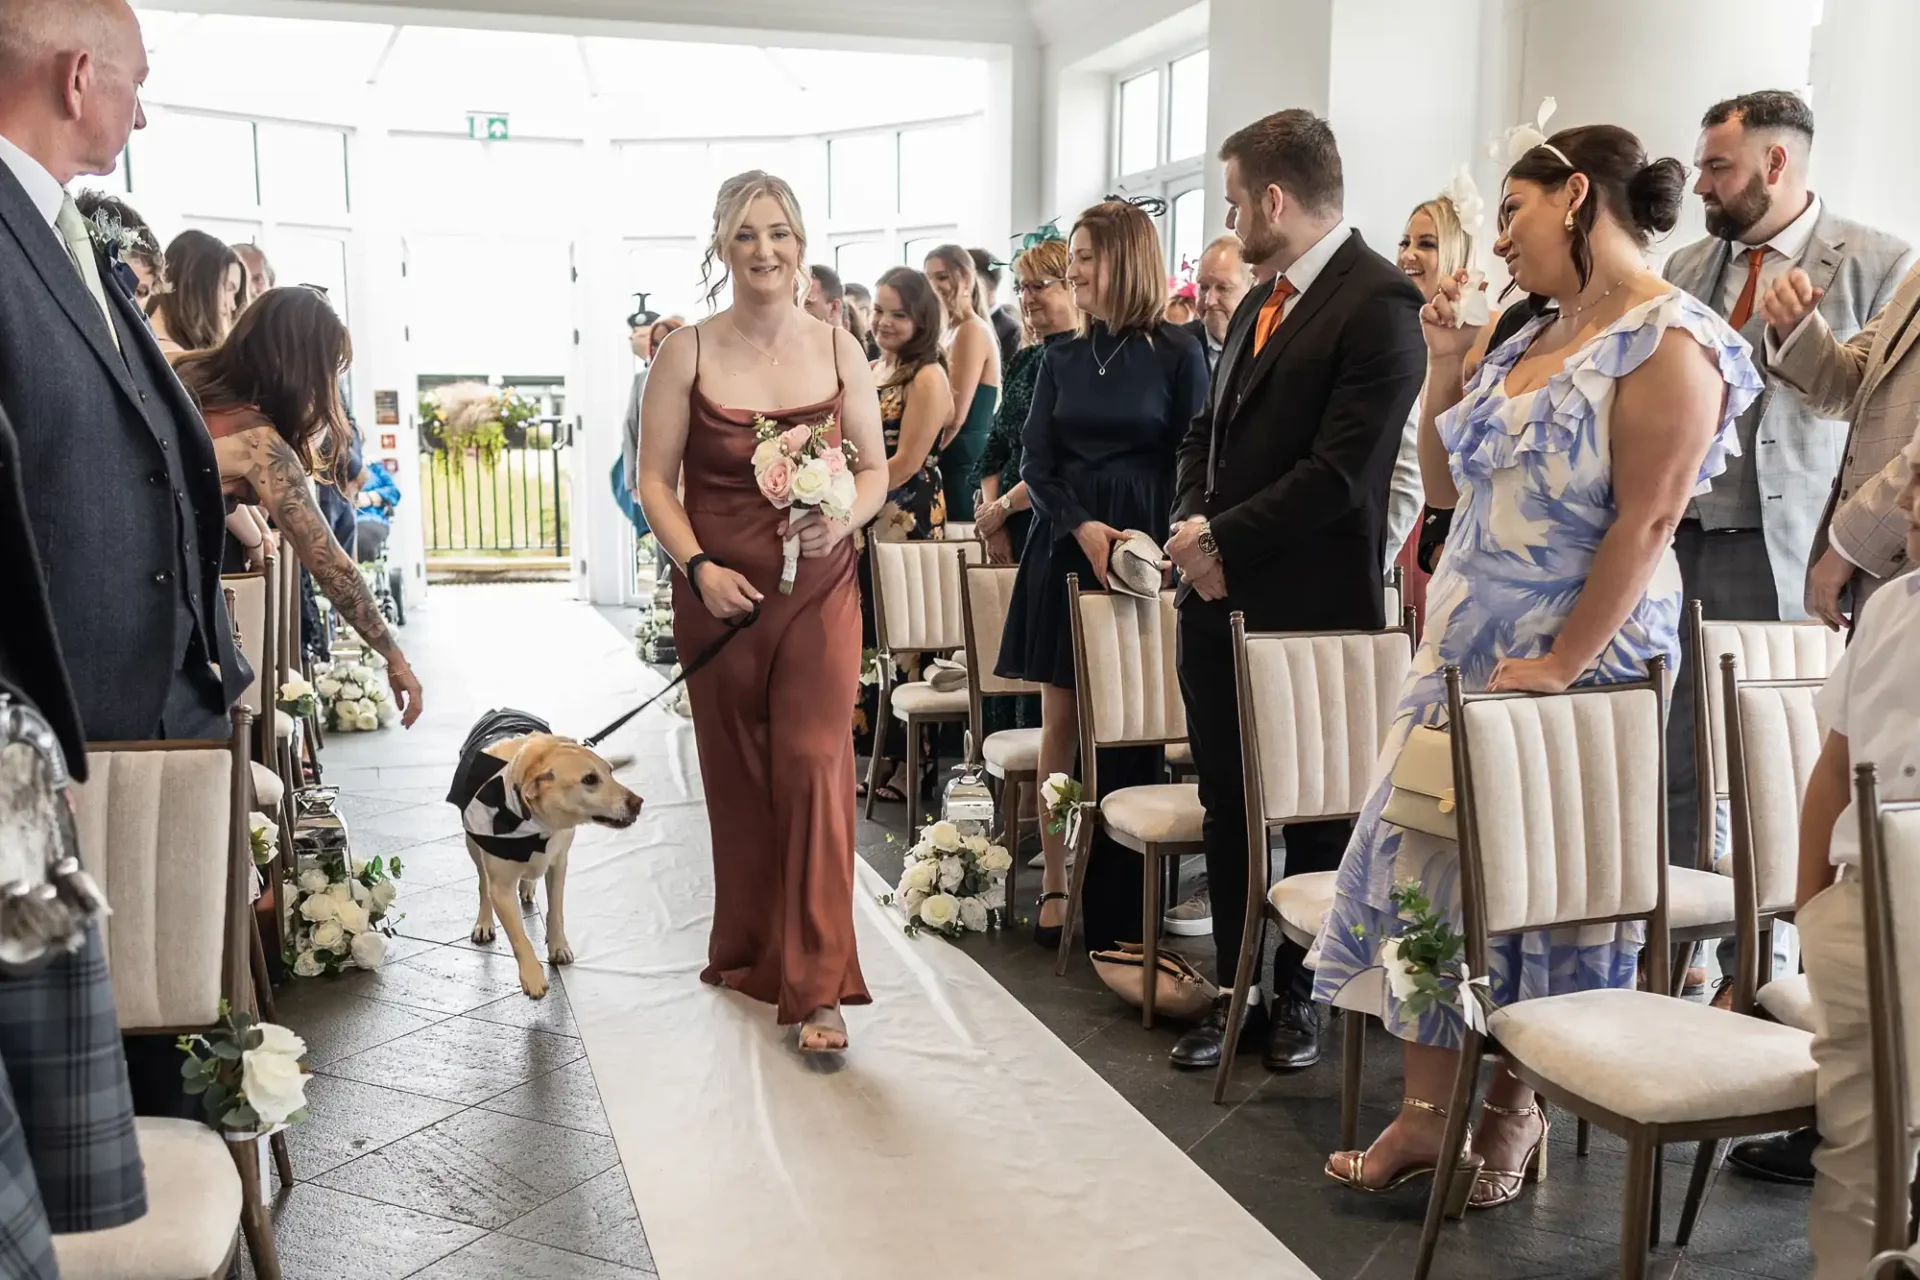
column 1426, row 961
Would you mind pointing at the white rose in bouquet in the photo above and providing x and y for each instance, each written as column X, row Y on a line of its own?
column 366, row 722
column 327, row 687
column 811, row 483
column 350, row 691
column 995, row 858
column 975, row 845
column 360, row 891
column 841, row 495
column 295, row 689
column 920, row 874
column 973, row 915
column 944, row 836
column 765, row 452
column 340, row 891
column 1399, row 972
column 996, row 896
column 387, row 715
column 369, row 949
column 328, row 935
column 952, row 872
column 1053, row 789
column 307, row 965
column 383, row 895
column 319, row 907
column 313, row 880
column 271, row 1076
column 912, row 901
column 940, row 911
column 353, row 917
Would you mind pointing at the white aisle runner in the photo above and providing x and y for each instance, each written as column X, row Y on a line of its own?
column 960, row 1138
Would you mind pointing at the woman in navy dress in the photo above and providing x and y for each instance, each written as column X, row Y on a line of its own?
column 1109, row 411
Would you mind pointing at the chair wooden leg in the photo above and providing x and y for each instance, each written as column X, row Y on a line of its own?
column 1082, row 853
column 1582, row 1138
column 282, row 1159
column 1353, row 1051
column 1653, row 1204
column 1446, row 1199
column 254, row 1223
column 1012, row 791
column 257, row 957
column 1703, row 1162
column 1149, row 935
column 1637, row 1220
column 913, row 780
column 1236, row 1011
column 1681, row 954
column 882, row 718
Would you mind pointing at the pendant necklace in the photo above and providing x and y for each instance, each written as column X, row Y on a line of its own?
column 1100, row 364
column 772, row 358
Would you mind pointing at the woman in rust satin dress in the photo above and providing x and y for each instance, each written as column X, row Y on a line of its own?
column 783, row 850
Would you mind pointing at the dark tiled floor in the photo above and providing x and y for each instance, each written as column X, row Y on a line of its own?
column 458, row 1135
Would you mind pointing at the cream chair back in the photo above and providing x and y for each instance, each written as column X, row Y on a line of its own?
column 162, row 828
column 988, row 594
column 1129, row 693
column 250, row 594
column 1774, row 744
column 1890, row 870
column 917, row 594
column 1396, row 594
column 1761, row 651
column 286, row 567
column 1563, row 800
column 1317, row 708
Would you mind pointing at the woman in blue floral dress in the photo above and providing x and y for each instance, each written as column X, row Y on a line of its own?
column 1570, row 457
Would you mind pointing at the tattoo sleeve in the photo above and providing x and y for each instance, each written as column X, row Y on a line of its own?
column 280, row 480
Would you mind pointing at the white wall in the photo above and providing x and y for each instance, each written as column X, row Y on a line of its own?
column 1866, row 154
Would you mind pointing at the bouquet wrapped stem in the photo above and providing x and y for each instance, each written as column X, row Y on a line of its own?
column 789, row 565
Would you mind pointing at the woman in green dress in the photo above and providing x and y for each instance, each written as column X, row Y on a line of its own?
column 973, row 366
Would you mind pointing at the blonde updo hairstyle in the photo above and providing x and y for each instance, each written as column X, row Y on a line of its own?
column 1047, row 260
column 1456, row 242
column 730, row 206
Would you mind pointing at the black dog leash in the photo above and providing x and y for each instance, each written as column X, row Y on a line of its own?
column 700, row 659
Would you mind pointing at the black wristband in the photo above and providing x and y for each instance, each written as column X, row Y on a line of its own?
column 690, row 571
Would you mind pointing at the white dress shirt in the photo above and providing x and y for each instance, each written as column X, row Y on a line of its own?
column 1873, row 700
column 42, row 188
column 1784, row 251
column 1307, row 267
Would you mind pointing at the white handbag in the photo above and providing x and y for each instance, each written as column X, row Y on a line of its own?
column 1422, row 798
column 1134, row 567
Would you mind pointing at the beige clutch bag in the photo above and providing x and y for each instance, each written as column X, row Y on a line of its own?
column 1422, row 797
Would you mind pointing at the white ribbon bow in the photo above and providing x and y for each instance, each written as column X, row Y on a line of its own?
column 1471, row 1006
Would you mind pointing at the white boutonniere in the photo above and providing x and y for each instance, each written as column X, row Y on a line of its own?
column 111, row 235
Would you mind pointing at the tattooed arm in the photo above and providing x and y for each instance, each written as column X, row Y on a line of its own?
column 281, row 484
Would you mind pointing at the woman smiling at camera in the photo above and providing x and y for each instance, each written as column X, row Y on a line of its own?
column 782, row 853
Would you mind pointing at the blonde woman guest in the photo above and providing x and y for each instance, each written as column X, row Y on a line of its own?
column 914, row 403
column 1435, row 246
column 973, row 366
column 1571, row 452
column 1109, row 411
column 783, row 848
column 205, row 281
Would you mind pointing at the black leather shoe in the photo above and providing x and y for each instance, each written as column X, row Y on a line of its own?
column 1293, row 1040
column 1199, row 1048
column 1785, row 1157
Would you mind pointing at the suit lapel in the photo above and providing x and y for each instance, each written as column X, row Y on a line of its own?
column 1903, row 328
column 41, row 245
column 1299, row 315
column 1706, row 283
column 1821, row 259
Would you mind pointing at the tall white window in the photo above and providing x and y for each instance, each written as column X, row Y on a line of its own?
column 895, row 194
column 1160, row 148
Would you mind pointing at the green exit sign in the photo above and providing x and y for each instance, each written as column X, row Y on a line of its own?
column 486, row 126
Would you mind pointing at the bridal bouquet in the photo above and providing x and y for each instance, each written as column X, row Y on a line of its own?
column 952, row 884
column 799, row 467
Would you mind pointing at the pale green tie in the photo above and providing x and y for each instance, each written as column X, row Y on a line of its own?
column 73, row 231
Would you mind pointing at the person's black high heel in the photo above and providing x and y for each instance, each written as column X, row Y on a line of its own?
column 1047, row 935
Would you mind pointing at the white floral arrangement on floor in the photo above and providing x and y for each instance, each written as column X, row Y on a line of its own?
column 248, row 1075
column 353, row 695
column 652, row 623
column 342, row 915
column 952, row 884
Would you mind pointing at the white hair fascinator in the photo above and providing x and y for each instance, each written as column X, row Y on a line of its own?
column 1523, row 138
column 1464, row 196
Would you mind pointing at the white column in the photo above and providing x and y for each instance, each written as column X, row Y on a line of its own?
column 1866, row 159
column 1011, row 200
column 1262, row 56
column 599, row 380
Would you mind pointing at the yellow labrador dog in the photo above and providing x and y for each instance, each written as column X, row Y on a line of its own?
column 521, row 791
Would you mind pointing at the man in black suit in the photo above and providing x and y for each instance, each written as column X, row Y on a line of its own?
column 123, row 491
column 1281, row 501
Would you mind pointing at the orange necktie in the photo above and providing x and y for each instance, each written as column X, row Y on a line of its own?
column 1743, row 309
column 1271, row 312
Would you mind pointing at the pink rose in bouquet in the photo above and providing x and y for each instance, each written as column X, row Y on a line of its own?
column 835, row 461
column 776, row 481
column 795, row 441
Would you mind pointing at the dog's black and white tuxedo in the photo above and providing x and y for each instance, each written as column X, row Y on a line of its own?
column 493, row 813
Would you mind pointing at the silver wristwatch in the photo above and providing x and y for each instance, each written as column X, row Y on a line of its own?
column 1207, row 544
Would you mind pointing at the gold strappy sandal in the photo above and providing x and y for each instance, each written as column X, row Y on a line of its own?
column 1464, row 1180
column 1503, row 1186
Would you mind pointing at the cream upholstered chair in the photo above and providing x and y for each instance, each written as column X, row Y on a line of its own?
column 163, row 828
column 1890, row 875
column 916, row 611
column 1702, row 905
column 1011, row 755
column 1128, row 696
column 253, row 605
column 1561, row 810
column 1314, row 711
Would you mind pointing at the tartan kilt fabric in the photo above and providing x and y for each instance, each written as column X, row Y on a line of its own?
column 69, row 1159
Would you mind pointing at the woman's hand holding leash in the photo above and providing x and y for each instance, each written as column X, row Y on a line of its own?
column 727, row 595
